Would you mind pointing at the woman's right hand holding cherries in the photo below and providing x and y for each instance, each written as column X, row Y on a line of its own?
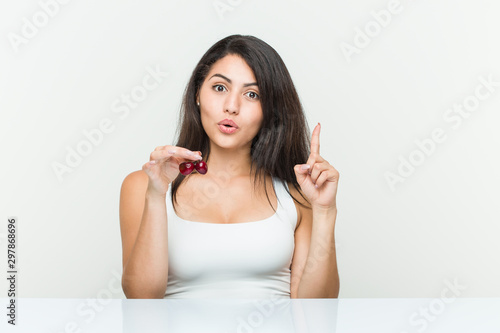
column 163, row 166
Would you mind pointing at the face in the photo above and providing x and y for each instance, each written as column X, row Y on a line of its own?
column 230, row 91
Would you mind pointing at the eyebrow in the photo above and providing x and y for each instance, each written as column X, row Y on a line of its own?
column 229, row 80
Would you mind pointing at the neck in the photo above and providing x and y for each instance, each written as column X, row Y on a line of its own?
column 229, row 164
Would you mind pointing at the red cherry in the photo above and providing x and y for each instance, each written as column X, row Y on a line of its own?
column 186, row 168
column 201, row 167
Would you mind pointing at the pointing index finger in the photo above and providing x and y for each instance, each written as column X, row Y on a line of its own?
column 315, row 139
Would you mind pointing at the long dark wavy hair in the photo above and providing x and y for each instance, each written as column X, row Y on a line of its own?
column 283, row 139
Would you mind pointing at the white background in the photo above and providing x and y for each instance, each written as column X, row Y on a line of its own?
column 440, row 224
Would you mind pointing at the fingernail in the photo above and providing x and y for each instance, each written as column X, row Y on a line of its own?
column 305, row 167
column 190, row 153
column 171, row 151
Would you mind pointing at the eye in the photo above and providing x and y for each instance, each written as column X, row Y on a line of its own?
column 218, row 87
column 253, row 95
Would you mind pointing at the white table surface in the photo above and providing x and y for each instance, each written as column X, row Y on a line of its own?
column 394, row 315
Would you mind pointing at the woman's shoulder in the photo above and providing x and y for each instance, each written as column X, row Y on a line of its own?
column 139, row 175
column 136, row 179
column 297, row 195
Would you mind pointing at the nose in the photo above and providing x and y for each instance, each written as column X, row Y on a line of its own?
column 232, row 103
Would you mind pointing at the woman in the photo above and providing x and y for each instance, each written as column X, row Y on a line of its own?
column 216, row 234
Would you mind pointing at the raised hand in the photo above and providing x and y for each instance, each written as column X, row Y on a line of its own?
column 318, row 179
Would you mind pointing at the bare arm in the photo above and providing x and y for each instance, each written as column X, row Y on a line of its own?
column 143, row 224
column 320, row 276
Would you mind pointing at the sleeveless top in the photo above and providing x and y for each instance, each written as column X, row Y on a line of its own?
column 232, row 260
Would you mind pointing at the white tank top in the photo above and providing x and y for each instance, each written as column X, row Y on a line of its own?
column 235, row 260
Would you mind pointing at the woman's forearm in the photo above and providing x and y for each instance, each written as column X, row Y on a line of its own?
column 320, row 278
column 145, row 274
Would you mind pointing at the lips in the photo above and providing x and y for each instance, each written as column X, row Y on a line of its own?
column 228, row 123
